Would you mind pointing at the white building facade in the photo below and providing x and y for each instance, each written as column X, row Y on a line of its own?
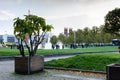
column 6, row 38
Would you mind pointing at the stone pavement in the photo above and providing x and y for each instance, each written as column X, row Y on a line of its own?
column 7, row 73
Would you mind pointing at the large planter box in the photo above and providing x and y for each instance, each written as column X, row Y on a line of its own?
column 28, row 65
column 113, row 72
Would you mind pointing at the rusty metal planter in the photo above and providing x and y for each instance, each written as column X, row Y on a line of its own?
column 113, row 72
column 29, row 65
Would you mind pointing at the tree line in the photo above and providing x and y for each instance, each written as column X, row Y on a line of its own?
column 96, row 35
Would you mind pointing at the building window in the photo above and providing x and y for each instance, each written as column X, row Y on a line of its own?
column 10, row 39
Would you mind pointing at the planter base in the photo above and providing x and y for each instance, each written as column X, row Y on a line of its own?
column 29, row 65
column 113, row 72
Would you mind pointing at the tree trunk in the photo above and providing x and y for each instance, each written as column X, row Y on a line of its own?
column 21, row 49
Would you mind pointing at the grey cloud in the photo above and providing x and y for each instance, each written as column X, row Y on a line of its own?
column 74, row 1
column 5, row 15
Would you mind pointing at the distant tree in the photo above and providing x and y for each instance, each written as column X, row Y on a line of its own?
column 86, row 34
column 62, row 38
column 112, row 22
column 79, row 36
column 70, row 38
column 54, row 39
column 105, row 37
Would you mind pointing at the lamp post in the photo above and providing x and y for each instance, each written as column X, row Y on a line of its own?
column 29, row 62
column 74, row 39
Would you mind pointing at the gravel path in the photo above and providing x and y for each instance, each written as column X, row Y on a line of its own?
column 7, row 73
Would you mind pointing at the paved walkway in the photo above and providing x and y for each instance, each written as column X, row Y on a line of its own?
column 7, row 73
column 57, row 57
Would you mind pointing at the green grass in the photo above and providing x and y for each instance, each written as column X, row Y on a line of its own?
column 15, row 52
column 8, row 52
column 95, row 62
column 89, row 49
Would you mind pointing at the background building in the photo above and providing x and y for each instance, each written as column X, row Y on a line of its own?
column 70, row 30
column 7, row 38
column 66, row 31
column 46, row 44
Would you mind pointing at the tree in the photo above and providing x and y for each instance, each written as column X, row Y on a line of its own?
column 79, row 34
column 62, row 38
column 54, row 40
column 70, row 38
column 86, row 34
column 31, row 30
column 105, row 37
column 112, row 22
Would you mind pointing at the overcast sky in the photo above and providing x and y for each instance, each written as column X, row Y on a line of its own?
column 75, row 14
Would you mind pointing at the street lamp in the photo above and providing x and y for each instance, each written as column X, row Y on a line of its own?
column 74, row 38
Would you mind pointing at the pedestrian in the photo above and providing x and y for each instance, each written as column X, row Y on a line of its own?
column 63, row 46
column 53, row 46
column 119, row 49
column 11, row 46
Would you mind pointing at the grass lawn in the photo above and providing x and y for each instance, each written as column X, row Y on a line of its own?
column 89, row 49
column 15, row 52
column 95, row 62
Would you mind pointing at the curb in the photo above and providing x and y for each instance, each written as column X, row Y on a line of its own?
column 6, row 58
column 76, row 70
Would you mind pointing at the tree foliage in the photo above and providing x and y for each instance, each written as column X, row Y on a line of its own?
column 87, row 35
column 62, row 38
column 112, row 22
column 31, row 30
column 54, row 40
